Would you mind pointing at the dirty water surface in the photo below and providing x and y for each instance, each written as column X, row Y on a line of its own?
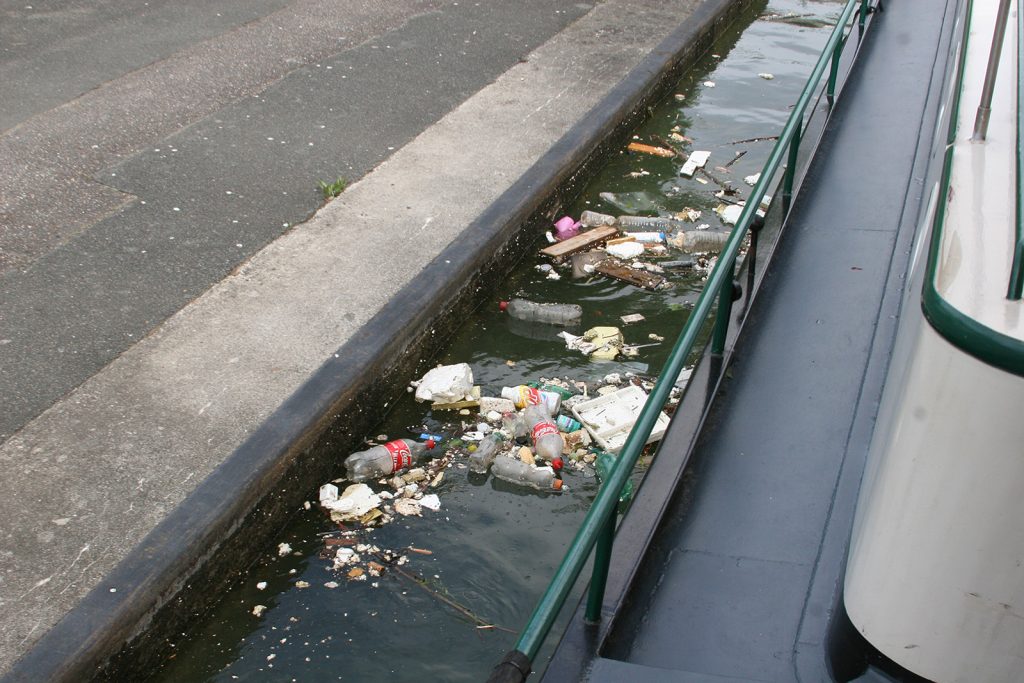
column 441, row 596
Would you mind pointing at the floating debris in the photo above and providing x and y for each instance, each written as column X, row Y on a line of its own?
column 696, row 160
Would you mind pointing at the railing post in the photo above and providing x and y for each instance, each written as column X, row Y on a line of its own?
column 833, row 73
column 599, row 575
column 863, row 17
column 788, row 178
column 985, row 107
column 726, row 295
column 755, row 229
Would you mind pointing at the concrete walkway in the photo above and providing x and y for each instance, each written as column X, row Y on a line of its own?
column 161, row 289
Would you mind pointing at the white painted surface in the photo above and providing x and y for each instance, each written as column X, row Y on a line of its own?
column 935, row 578
column 977, row 248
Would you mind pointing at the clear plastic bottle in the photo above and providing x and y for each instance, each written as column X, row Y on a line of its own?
column 518, row 472
column 513, row 423
column 382, row 460
column 552, row 314
column 699, row 241
column 648, row 223
column 547, row 440
column 483, row 456
column 593, row 219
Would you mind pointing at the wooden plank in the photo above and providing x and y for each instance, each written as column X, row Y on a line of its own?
column 649, row 149
column 581, row 242
column 637, row 278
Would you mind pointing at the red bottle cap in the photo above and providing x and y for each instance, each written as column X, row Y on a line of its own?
column 557, row 464
column 502, row 305
column 430, row 443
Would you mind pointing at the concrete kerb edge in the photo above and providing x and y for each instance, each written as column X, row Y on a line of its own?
column 178, row 569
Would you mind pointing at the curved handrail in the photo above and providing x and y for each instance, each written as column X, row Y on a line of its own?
column 598, row 526
column 1016, row 287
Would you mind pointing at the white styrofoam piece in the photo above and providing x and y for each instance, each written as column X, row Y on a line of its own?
column 696, row 160
column 610, row 418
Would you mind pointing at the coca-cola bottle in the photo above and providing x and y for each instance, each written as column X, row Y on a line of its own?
column 547, row 440
column 518, row 472
column 381, row 460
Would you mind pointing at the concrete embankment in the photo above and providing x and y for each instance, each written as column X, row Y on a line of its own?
column 148, row 485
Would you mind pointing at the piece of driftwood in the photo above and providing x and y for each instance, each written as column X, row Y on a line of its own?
column 637, row 278
column 581, row 242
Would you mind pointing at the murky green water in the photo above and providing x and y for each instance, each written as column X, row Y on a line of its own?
column 493, row 545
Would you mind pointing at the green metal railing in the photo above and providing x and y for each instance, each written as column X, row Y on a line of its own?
column 598, row 526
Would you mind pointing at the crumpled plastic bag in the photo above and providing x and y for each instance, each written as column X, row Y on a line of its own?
column 446, row 384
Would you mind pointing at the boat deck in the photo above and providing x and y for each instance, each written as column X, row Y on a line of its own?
column 744, row 574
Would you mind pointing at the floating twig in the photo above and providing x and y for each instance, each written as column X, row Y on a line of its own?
column 461, row 609
column 662, row 141
column 739, row 155
column 761, row 139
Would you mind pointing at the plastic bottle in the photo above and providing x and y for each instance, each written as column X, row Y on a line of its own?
column 484, row 455
column 554, row 314
column 553, row 388
column 547, row 440
column 699, row 241
column 523, row 396
column 647, row 223
column 381, row 460
column 593, row 219
column 513, row 423
column 682, row 264
column 568, row 424
column 647, row 237
column 518, row 472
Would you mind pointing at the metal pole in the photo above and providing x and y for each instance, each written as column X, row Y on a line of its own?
column 726, row 295
column 599, row 575
column 985, row 108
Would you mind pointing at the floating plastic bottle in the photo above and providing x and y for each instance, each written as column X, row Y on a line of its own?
column 554, row 314
column 681, row 264
column 594, row 219
column 699, row 241
column 523, row 396
column 633, row 202
column 553, row 388
column 567, row 424
column 518, row 472
column 547, row 440
column 513, row 423
column 648, row 223
column 484, row 455
column 647, row 237
column 382, row 460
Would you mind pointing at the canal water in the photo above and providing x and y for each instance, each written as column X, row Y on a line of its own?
column 493, row 546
